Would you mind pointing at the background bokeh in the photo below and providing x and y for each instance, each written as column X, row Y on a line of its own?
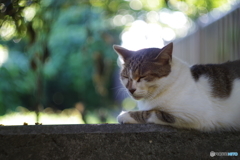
column 57, row 65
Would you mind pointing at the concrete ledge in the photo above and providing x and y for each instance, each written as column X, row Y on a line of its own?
column 112, row 142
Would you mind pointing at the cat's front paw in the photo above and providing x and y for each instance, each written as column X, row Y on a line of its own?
column 124, row 118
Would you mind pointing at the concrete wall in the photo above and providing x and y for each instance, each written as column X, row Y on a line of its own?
column 112, row 142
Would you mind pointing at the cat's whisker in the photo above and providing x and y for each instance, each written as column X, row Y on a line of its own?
column 122, row 91
column 118, row 87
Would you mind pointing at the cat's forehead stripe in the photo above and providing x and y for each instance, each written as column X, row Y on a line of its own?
column 134, row 73
column 130, row 74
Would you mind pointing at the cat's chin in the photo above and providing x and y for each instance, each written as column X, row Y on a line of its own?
column 137, row 97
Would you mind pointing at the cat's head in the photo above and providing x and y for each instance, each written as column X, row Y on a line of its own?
column 142, row 70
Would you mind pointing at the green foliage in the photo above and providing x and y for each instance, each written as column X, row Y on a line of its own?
column 66, row 58
column 77, row 41
column 17, row 82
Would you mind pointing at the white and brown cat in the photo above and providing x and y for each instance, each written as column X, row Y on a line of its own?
column 170, row 92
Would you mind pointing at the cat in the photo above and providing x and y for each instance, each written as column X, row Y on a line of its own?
column 170, row 92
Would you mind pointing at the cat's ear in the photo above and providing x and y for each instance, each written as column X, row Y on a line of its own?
column 122, row 52
column 165, row 55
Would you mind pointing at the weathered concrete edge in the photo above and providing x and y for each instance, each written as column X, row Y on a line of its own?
column 112, row 141
column 84, row 128
column 97, row 128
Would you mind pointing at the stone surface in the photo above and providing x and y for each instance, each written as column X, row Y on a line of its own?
column 112, row 142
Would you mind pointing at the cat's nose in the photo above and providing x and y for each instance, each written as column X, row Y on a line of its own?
column 132, row 90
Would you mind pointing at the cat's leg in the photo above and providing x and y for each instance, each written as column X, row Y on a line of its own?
column 150, row 116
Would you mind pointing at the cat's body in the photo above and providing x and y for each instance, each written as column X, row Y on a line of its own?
column 169, row 92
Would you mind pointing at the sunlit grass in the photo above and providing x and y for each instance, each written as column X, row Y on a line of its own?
column 50, row 117
column 47, row 117
column 93, row 118
column 129, row 104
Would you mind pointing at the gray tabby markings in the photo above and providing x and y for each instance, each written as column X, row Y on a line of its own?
column 221, row 76
column 143, row 116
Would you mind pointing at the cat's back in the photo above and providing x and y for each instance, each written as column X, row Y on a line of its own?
column 234, row 67
column 221, row 77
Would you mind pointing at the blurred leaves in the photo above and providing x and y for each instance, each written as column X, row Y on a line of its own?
column 16, row 81
column 12, row 16
column 58, row 57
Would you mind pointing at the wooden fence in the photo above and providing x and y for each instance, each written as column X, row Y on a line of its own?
column 215, row 41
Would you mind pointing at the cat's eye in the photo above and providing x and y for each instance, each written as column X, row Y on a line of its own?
column 125, row 77
column 141, row 78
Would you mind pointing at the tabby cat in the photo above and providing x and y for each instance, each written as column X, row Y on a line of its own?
column 170, row 92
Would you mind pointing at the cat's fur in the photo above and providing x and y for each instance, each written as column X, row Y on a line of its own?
column 169, row 92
